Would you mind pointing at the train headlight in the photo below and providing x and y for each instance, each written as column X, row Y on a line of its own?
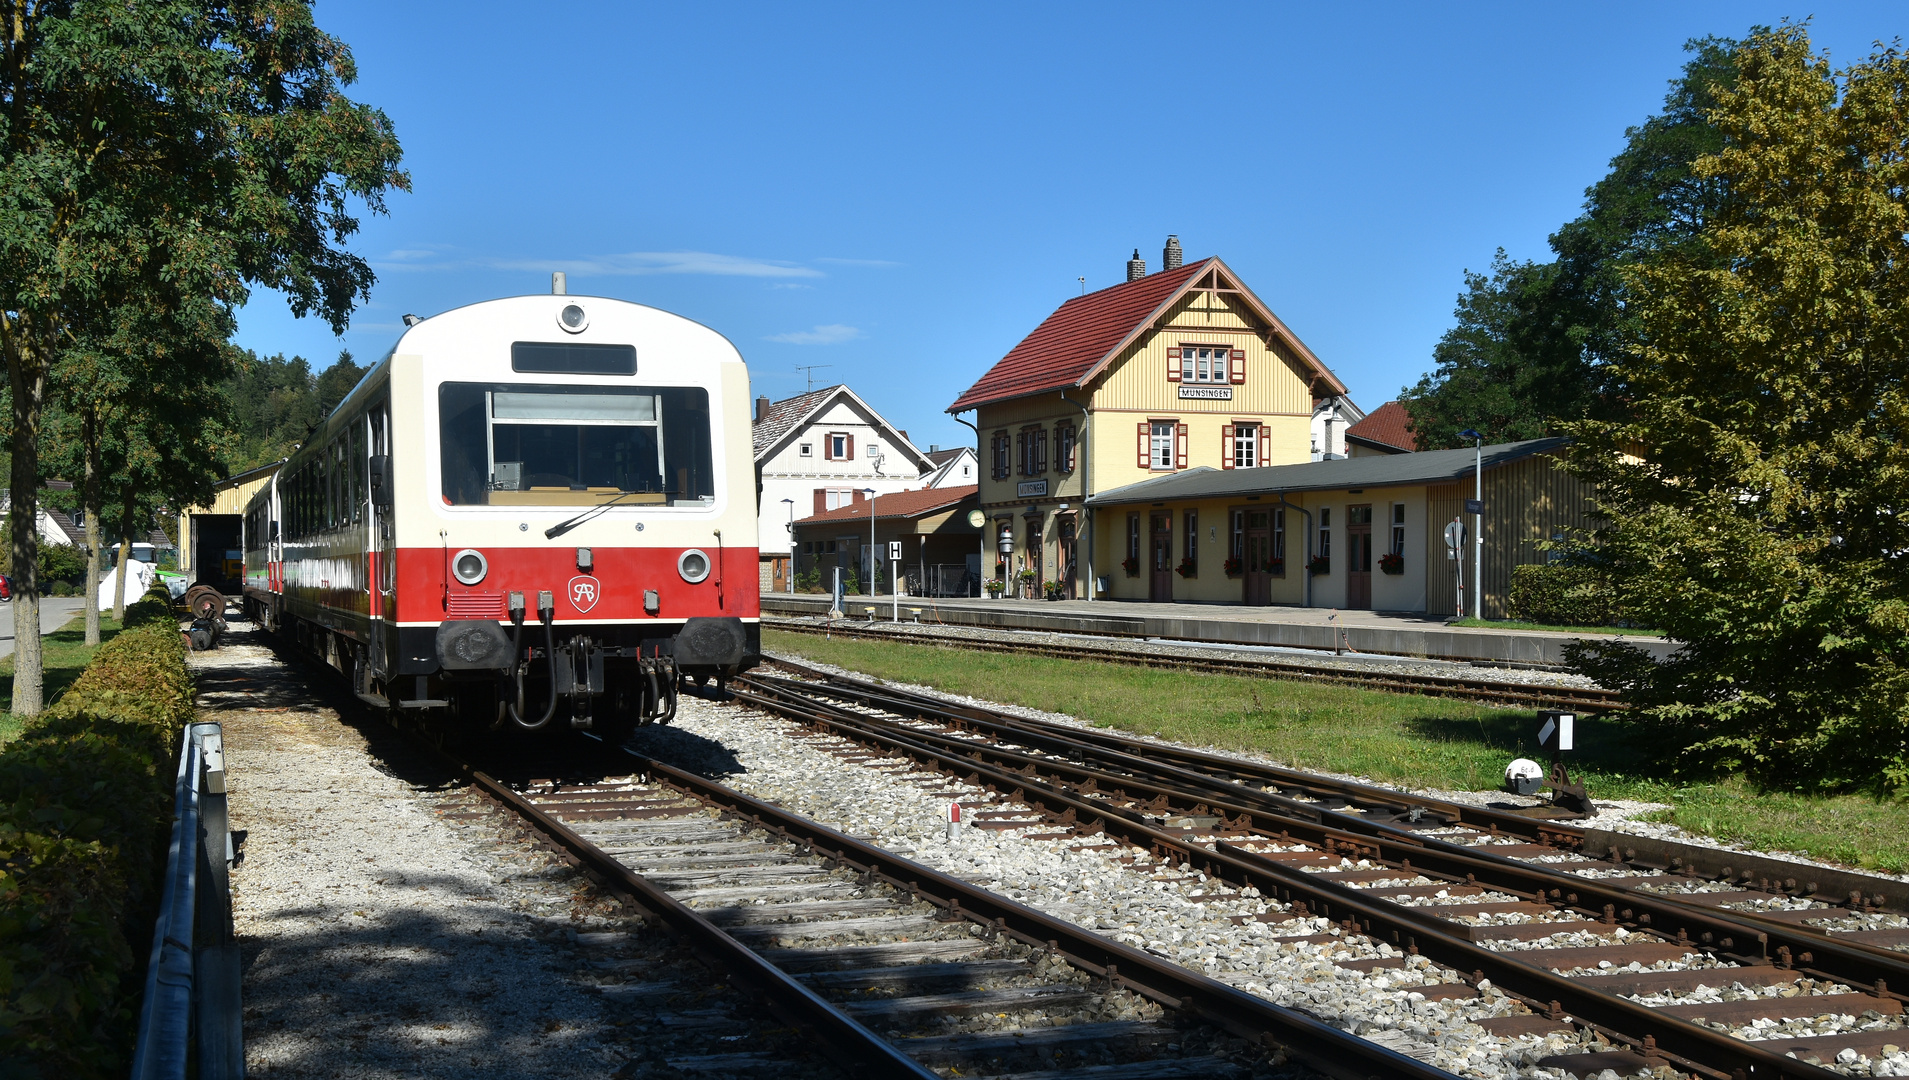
column 469, row 566
column 573, row 319
column 693, row 565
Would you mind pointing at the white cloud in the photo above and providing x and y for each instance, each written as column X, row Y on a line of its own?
column 832, row 334
column 624, row 264
column 878, row 263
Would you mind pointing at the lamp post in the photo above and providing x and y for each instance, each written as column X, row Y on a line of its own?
column 1478, row 522
column 790, row 576
column 870, row 492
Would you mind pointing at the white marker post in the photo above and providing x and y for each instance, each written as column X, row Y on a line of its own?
column 954, row 820
column 894, row 569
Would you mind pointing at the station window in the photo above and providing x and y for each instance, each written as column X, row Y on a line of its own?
column 1245, row 447
column 1325, row 532
column 1279, row 534
column 1162, row 433
column 1204, row 363
column 1237, row 550
column 1193, row 537
column 1398, row 528
column 1133, row 538
column 1063, row 449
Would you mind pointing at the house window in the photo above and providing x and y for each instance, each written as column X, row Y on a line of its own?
column 1325, row 532
column 1398, row 528
column 1279, row 534
column 998, row 451
column 841, row 446
column 1203, row 363
column 805, row 450
column 1245, row 446
column 1193, row 538
column 874, row 450
column 1064, row 448
column 1161, row 456
column 836, row 498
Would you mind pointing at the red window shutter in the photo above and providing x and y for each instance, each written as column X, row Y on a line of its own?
column 1179, row 449
column 1226, row 446
column 821, row 500
column 1173, row 365
column 828, row 447
column 1265, row 444
column 1239, row 365
column 1146, row 448
column 849, row 453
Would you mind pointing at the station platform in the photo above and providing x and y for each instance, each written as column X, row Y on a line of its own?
column 1381, row 632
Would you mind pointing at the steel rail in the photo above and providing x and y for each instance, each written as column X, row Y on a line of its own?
column 793, row 1001
column 1855, row 961
column 1625, row 1022
column 1322, row 1047
column 1494, row 691
column 1199, row 769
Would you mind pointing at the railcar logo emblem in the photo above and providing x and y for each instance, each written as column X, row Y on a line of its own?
column 584, row 591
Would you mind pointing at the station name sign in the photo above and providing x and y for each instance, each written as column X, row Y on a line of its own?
column 1031, row 489
column 1210, row 393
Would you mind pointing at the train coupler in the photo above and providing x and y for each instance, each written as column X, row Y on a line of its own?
column 580, row 677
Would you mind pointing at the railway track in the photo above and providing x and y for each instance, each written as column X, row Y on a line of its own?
column 1469, row 688
column 899, row 969
column 1643, row 965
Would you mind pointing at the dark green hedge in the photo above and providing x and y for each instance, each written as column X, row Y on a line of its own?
column 85, row 816
column 1562, row 595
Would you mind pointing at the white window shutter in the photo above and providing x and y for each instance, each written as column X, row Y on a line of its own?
column 1146, row 445
column 1239, row 365
column 1173, row 365
column 1179, row 451
column 1226, row 446
column 1265, row 445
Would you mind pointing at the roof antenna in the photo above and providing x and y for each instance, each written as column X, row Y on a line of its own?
column 810, row 368
column 1083, row 285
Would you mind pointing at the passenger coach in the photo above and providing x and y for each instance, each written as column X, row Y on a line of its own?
column 533, row 510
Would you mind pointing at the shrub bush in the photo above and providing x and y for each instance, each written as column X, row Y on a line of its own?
column 85, row 816
column 1562, row 595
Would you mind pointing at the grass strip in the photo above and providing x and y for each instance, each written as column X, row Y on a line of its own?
column 85, row 813
column 65, row 654
column 1404, row 739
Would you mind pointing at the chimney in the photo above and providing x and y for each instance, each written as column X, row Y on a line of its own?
column 1170, row 256
column 934, row 448
column 904, row 434
column 558, row 286
column 762, row 407
column 1136, row 266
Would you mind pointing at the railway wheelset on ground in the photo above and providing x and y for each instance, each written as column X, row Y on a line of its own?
column 533, row 514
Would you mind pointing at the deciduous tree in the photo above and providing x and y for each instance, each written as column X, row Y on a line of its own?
column 165, row 150
column 1758, row 483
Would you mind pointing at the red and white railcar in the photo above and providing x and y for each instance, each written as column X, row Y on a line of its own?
column 533, row 510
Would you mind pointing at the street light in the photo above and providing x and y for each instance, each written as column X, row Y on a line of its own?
column 791, row 527
column 870, row 492
column 1478, row 522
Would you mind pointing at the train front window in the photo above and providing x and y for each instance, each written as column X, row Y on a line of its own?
column 518, row 445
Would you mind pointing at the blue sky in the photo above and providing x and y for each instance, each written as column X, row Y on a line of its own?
column 902, row 193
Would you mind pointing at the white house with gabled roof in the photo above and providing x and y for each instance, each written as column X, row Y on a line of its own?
column 821, row 451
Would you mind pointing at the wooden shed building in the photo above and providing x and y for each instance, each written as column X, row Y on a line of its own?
column 1358, row 533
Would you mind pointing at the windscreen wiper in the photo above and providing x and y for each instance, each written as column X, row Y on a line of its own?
column 562, row 527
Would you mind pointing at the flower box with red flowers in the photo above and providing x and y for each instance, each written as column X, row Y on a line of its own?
column 1392, row 563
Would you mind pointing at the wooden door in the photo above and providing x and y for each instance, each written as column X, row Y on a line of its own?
column 1359, row 557
column 1160, row 585
column 1258, row 557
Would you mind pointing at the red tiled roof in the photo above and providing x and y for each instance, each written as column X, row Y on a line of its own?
column 1071, row 342
column 1083, row 334
column 1388, row 424
column 901, row 504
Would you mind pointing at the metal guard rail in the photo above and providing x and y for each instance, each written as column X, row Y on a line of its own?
column 192, row 977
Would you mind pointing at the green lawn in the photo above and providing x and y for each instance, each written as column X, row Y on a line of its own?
column 1397, row 738
column 66, row 657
